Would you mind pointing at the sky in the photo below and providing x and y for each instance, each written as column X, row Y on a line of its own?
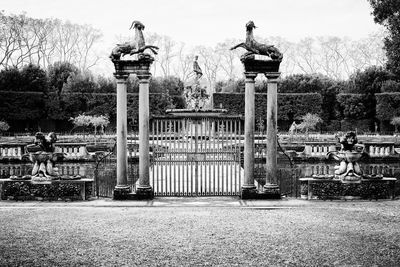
column 207, row 22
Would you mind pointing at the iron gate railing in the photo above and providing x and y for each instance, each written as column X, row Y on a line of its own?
column 196, row 156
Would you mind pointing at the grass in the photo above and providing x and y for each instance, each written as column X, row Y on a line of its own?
column 317, row 234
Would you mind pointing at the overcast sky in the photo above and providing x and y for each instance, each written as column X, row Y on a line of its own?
column 207, row 22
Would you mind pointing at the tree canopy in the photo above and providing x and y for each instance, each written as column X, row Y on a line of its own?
column 386, row 13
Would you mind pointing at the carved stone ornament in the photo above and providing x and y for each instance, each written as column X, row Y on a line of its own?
column 138, row 46
column 255, row 48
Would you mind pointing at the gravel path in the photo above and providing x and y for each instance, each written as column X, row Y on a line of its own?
column 319, row 234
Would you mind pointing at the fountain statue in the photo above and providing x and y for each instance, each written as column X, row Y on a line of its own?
column 42, row 154
column 195, row 95
column 348, row 170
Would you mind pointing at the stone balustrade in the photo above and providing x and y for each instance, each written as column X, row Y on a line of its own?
column 11, row 151
column 380, row 150
column 24, row 169
column 72, row 151
column 318, row 149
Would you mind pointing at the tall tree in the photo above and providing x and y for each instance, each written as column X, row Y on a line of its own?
column 387, row 13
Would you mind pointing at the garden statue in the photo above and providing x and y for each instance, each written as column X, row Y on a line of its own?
column 255, row 48
column 348, row 169
column 196, row 68
column 138, row 46
column 195, row 94
column 43, row 155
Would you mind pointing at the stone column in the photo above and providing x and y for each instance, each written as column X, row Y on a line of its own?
column 248, row 188
column 144, row 189
column 122, row 188
column 271, row 186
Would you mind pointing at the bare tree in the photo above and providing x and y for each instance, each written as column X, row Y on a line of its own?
column 183, row 68
column 229, row 58
column 212, row 64
column 165, row 58
column 306, row 56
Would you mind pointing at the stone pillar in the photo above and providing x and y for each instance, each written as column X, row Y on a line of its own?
column 248, row 188
column 271, row 186
column 144, row 189
column 122, row 188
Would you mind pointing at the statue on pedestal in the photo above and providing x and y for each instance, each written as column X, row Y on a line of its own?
column 196, row 95
column 136, row 47
column 348, row 169
column 43, row 155
column 255, row 48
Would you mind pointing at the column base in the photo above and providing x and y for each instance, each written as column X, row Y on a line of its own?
column 144, row 193
column 271, row 191
column 121, row 192
column 249, row 192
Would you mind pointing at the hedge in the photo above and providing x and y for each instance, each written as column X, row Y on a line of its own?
column 21, row 105
column 290, row 106
column 387, row 106
column 351, row 106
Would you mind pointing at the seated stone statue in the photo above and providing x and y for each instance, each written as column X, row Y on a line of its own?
column 348, row 169
column 43, row 156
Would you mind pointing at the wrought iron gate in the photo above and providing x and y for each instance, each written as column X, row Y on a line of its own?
column 196, row 156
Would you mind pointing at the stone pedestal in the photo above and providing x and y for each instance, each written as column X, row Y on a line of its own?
column 248, row 188
column 122, row 189
column 271, row 187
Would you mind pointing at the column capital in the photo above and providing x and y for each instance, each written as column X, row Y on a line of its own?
column 121, row 76
column 272, row 76
column 250, row 76
column 144, row 77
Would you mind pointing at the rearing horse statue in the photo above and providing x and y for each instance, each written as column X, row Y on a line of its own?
column 136, row 47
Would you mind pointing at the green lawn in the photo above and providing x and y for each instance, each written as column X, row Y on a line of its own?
column 316, row 234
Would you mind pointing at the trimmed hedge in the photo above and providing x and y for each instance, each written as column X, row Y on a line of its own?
column 290, row 106
column 21, row 105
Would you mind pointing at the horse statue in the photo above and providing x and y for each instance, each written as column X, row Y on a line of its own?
column 138, row 46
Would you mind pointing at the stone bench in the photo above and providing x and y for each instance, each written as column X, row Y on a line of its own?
column 30, row 190
column 314, row 188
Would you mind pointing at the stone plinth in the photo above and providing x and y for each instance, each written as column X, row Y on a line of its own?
column 251, row 64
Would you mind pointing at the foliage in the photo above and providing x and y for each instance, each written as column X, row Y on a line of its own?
column 290, row 106
column 334, row 189
column 390, row 86
column 396, row 122
column 170, row 84
column 4, row 126
column 99, row 121
column 305, row 83
column 10, row 80
column 309, row 121
column 386, row 13
column 351, row 106
column 81, row 120
column 387, row 106
column 58, row 74
column 22, row 106
column 26, row 190
column 34, row 79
